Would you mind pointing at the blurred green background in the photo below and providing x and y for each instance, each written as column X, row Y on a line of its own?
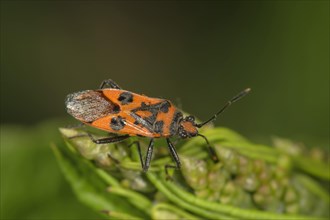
column 197, row 54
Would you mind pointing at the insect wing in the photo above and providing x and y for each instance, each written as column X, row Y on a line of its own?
column 128, row 101
column 136, row 114
column 121, row 123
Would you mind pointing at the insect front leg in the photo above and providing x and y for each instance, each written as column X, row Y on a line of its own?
column 109, row 83
column 175, row 157
column 212, row 153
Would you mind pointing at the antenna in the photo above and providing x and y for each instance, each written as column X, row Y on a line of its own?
column 231, row 101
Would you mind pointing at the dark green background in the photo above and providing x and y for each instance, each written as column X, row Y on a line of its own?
column 197, row 54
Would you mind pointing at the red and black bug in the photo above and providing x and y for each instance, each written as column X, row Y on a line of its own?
column 127, row 114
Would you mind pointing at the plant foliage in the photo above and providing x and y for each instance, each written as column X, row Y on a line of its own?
column 251, row 181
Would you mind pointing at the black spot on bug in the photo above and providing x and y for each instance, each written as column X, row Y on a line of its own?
column 159, row 127
column 125, row 98
column 141, row 121
column 117, row 123
column 116, row 109
column 151, row 119
column 175, row 123
column 164, row 107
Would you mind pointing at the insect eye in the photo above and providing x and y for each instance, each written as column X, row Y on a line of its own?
column 182, row 132
column 190, row 118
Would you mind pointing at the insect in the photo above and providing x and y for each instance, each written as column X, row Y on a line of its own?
column 127, row 114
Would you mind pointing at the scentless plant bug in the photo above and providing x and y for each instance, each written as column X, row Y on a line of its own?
column 127, row 114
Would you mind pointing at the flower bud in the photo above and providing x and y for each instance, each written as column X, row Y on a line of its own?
column 194, row 172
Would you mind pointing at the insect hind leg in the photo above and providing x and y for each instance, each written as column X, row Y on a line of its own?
column 108, row 140
column 109, row 83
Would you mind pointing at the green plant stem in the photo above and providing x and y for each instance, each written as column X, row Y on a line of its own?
column 162, row 161
column 225, row 209
column 106, row 177
column 171, row 208
column 248, row 151
column 137, row 199
column 316, row 168
column 314, row 187
column 136, row 166
column 192, row 208
column 120, row 215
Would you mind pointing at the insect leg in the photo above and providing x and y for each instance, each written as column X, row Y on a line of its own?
column 174, row 156
column 213, row 155
column 109, row 83
column 139, row 150
column 108, row 139
column 173, row 153
column 149, row 155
